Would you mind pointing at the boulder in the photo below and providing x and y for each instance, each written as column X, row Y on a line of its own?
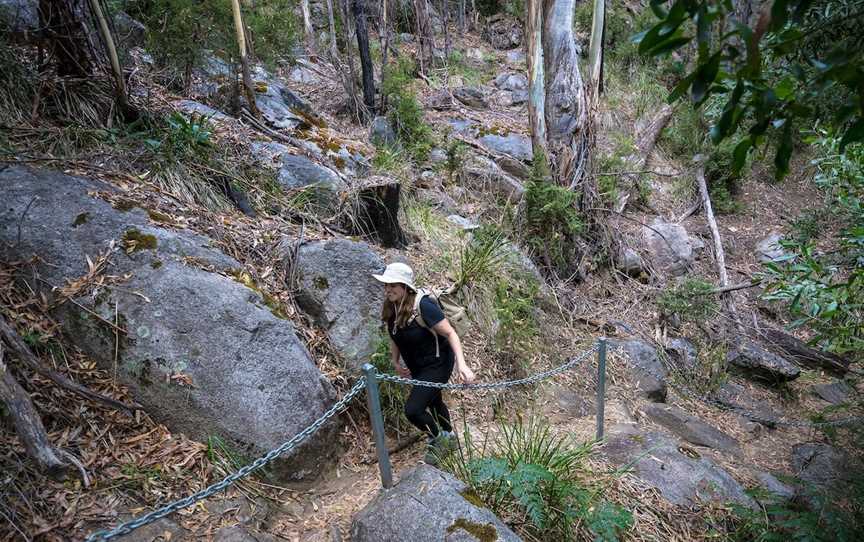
column 679, row 472
column 210, row 76
column 503, row 32
column 646, row 367
column 191, row 107
column 770, row 250
column 756, row 362
column 475, row 56
column 129, row 32
column 462, row 222
column 381, row 132
column 487, row 175
column 428, row 505
column 516, row 57
column 303, row 75
column 688, row 427
column 629, row 261
column 820, row 465
column 338, row 291
column 437, row 155
column 202, row 352
column 836, row 392
column 779, row 491
column 406, row 38
column 669, row 247
column 738, row 399
column 462, row 126
column 518, row 97
column 279, row 106
column 440, row 101
column 516, row 146
column 514, row 167
column 683, row 353
column 511, row 81
column 20, row 16
column 471, row 97
column 239, row 533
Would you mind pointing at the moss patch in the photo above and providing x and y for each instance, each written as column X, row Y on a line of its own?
column 124, row 205
column 471, row 496
column 321, row 283
column 162, row 218
column 275, row 306
column 82, row 218
column 134, row 241
column 485, row 532
column 156, row 264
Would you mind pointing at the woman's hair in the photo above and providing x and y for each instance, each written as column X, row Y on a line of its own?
column 405, row 309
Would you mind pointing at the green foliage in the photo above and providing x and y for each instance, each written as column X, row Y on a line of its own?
column 826, row 290
column 684, row 136
column 551, row 221
column 481, row 256
column 181, row 33
column 515, row 309
column 406, row 113
column 691, row 300
column 805, row 64
column 722, row 180
column 388, row 158
column 456, row 151
column 808, row 225
column 530, row 472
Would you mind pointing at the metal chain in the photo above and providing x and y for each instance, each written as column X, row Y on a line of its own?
column 749, row 414
column 129, row 526
column 490, row 385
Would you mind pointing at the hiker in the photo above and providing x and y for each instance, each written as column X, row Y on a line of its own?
column 429, row 352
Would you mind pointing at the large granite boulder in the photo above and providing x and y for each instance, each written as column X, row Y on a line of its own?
column 736, row 398
column 669, row 247
column 836, row 392
column 756, row 362
column 645, row 366
column 689, row 428
column 203, row 353
column 338, row 291
column 295, row 172
column 473, row 97
column 486, row 175
column 428, row 505
column 679, row 472
column 278, row 105
column 511, row 81
column 516, row 146
column 820, row 465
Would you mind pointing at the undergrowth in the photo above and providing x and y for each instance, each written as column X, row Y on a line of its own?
column 533, row 479
column 406, row 113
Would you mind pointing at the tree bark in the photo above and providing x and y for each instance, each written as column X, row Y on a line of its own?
column 424, row 35
column 595, row 49
column 244, row 61
column 567, row 108
column 28, row 425
column 308, row 31
column 352, row 76
column 376, row 214
column 536, row 87
column 365, row 56
column 385, row 46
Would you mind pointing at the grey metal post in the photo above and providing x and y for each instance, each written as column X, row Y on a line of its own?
column 373, row 399
column 601, row 384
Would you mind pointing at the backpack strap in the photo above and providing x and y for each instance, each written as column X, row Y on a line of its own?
column 418, row 316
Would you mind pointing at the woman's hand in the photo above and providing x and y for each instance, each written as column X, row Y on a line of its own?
column 402, row 370
column 465, row 374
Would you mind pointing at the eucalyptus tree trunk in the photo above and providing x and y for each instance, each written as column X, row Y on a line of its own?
column 244, row 60
column 567, row 108
column 365, row 56
column 308, row 31
column 424, row 35
column 108, row 39
column 595, row 49
column 536, row 87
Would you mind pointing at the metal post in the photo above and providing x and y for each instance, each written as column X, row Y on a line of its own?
column 601, row 385
column 377, row 419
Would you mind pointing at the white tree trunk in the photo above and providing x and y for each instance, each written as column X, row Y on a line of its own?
column 595, row 49
column 536, row 87
column 308, row 31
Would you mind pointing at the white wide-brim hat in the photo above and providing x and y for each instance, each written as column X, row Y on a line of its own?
column 397, row 273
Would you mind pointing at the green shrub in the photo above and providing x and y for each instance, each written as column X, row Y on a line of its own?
column 481, row 256
column 392, row 396
column 529, row 474
column 550, row 220
column 691, row 300
column 515, row 310
column 406, row 113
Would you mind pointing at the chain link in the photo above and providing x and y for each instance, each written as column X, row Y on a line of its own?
column 749, row 414
column 490, row 385
column 289, row 445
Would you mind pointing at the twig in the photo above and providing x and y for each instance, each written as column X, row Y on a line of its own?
column 21, row 220
column 690, row 210
column 622, row 173
column 75, row 461
column 82, row 307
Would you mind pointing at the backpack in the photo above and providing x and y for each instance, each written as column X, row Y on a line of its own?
column 455, row 313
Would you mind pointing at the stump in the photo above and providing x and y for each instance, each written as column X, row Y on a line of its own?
column 376, row 213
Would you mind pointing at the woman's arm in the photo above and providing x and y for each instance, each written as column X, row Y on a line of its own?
column 463, row 372
column 397, row 364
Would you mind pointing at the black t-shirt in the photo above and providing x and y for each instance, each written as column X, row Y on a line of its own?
column 416, row 343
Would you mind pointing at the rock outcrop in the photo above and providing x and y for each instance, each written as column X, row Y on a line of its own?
column 340, row 294
column 428, row 505
column 645, row 365
column 204, row 354
column 689, row 428
column 758, row 363
column 669, row 247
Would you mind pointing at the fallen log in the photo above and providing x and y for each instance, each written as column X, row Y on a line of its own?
column 798, row 351
column 28, row 425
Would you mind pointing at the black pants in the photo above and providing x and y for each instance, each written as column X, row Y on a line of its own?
column 425, row 407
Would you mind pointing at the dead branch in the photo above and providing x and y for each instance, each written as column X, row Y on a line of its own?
column 719, row 255
column 23, row 352
column 799, row 352
column 28, row 425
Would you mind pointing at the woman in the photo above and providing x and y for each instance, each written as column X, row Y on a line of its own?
column 427, row 356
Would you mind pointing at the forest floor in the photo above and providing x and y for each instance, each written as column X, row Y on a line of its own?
column 136, row 464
